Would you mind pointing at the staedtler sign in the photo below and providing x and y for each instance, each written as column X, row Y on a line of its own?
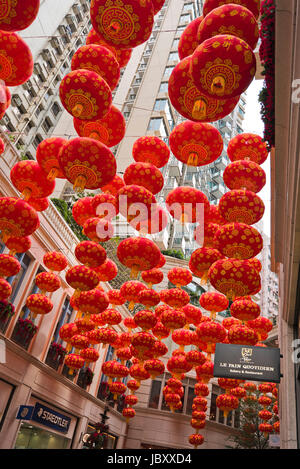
column 50, row 418
column 247, row 362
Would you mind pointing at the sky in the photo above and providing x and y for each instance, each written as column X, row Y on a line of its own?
column 253, row 123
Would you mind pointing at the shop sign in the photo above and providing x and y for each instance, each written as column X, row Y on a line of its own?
column 247, row 362
column 51, row 418
column 25, row 412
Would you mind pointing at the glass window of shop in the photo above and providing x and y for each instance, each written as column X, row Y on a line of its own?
column 6, row 394
column 32, row 437
column 110, row 441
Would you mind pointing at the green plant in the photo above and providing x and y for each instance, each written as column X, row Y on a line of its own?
column 173, row 253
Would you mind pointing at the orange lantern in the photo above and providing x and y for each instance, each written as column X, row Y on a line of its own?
column 28, row 177
column 244, row 174
column 152, row 276
column 85, row 95
column 97, row 59
column 196, row 143
column 213, row 302
column 111, row 317
column 47, row 281
column 146, row 175
column 47, row 156
column 180, row 276
column 15, row 16
column 5, row 289
column 188, row 41
column 89, row 354
column 205, row 372
column 182, row 337
column 244, row 310
column 192, row 103
column 234, row 277
column 15, row 58
column 107, row 272
column 202, row 259
column 125, row 24
column 247, row 146
column 223, row 66
column 192, row 314
column 235, row 20
column 265, row 428
column 39, row 304
column 82, row 278
column 175, row 297
column 114, row 186
column 74, row 362
column 148, row 298
column 155, row 367
column 238, row 240
column 138, row 254
column 55, row 261
column 186, row 203
column 9, row 266
column 117, row 388
column 128, row 413
column 226, row 403
column 196, row 440
column 90, row 254
column 87, row 163
column 152, row 150
column 242, row 335
column 92, row 301
column 109, row 130
column 130, row 290
column 122, row 55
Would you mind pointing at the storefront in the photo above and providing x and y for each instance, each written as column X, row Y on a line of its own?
column 110, row 440
column 44, row 426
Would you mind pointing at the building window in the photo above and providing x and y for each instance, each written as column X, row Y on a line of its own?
column 217, row 415
column 156, row 398
column 160, row 104
column 47, row 125
column 36, row 141
column 173, row 56
column 168, row 70
column 158, row 124
column 175, row 43
column 163, row 87
column 55, row 109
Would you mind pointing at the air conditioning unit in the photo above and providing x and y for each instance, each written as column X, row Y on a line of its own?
column 17, row 100
column 71, row 22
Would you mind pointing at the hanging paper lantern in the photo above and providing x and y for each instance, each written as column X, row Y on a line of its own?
column 178, row 364
column 229, row 322
column 180, row 276
column 114, row 369
column 47, row 157
column 146, row 175
column 66, row 332
column 111, row 317
column 28, row 177
column 138, row 254
column 16, row 16
column 235, row 20
column 159, row 349
column 5, row 102
column 157, row 221
column 192, row 314
column 265, row 415
column 98, row 230
column 115, row 298
column 55, row 261
column 192, row 103
column 109, row 130
column 204, row 234
column 242, row 335
column 142, row 342
column 152, row 150
column 252, row 5
column 85, row 325
column 202, row 259
column 90, row 254
column 172, row 399
column 89, row 354
column 195, row 358
column 82, row 210
column 213, row 302
column 196, row 143
column 243, row 174
column 276, row 427
column 196, row 440
column 114, row 186
column 128, row 413
column 40, row 204
column 131, row 399
column 117, row 388
column 211, row 333
column 122, row 55
column 238, row 240
column 15, row 58
column 265, row 428
column 201, row 389
column 247, row 146
column 79, row 341
column 256, row 264
column 223, row 66
column 74, row 362
column 97, row 59
column 175, row 297
column 244, row 310
column 148, row 298
column 135, row 200
column 125, row 24
column 85, row 95
column 123, row 353
column 107, row 272
column 104, row 335
column 226, row 403
column 139, row 373
column 130, row 290
column 234, row 277
column 241, row 206
column 160, row 330
column 238, row 392
column 152, row 276
column 9, row 265
column 145, row 319
column 265, row 388
column 39, row 304
column 5, row 289
column 261, row 325
column 47, row 281
column 92, row 301
column 228, row 383
column 181, row 337
column 188, row 41
column 205, row 372
column 87, row 163
column 154, row 367
column 82, row 278
column 186, row 203
column 197, row 424
column 200, row 405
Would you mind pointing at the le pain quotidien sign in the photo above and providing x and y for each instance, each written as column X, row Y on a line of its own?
column 247, row 362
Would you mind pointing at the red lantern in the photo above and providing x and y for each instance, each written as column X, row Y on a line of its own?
column 197, row 423
column 117, row 388
column 154, row 367
column 85, row 325
column 82, row 278
column 109, row 130
column 131, row 400
column 5, row 289
column 47, row 281
column 9, row 266
column 85, row 95
column 276, row 427
column 159, row 349
column 128, row 413
column 5, row 102
column 196, row 143
column 173, row 319
column 265, row 428
column 125, row 24
column 92, row 301
column 89, row 354
column 175, row 297
column 265, row 415
column 230, row 19
column 104, row 335
column 256, row 263
column 181, row 337
column 15, row 16
column 243, row 174
column 201, row 389
column 192, row 314
column 142, row 342
column 122, row 55
column 247, row 146
column 202, row 259
column 138, row 254
column 192, row 103
column 139, row 373
column 238, row 240
column 200, row 405
column 114, row 186
column 252, row 5
column 28, row 177
column 261, row 325
column 244, row 310
column 265, row 401
column 145, row 319
column 148, row 298
column 111, row 317
column 55, row 261
column 74, row 362
column 107, row 272
column 195, row 358
column 39, row 304
column 178, row 364
column 130, row 290
column 97, row 59
column 123, row 354
column 82, row 210
column 229, row 322
column 213, row 302
column 160, row 331
column 223, row 66
column 180, row 276
column 114, row 369
column 98, row 230
column 226, row 403
column 87, row 163
column 265, row 388
column 90, row 254
column 130, row 199
column 152, row 276
column 47, row 156
column 241, row 206
column 133, row 385
column 228, row 383
column 115, row 297
column 242, row 335
column 188, row 41
column 196, row 440
column 15, row 58
column 146, row 175
column 152, row 150
column 204, row 234
column 205, row 372
column 238, row 392
column 79, row 341
column 211, row 333
column 234, row 277
column 185, row 203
